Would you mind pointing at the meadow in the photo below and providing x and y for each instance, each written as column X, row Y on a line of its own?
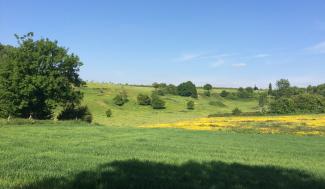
column 129, row 150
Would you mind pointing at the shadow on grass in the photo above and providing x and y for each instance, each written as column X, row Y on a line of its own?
column 146, row 174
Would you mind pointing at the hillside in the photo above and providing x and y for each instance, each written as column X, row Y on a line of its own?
column 99, row 97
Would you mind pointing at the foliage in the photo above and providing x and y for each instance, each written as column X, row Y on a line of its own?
column 262, row 100
column 75, row 112
column 207, row 93
column 121, row 98
column 36, row 77
column 118, row 100
column 207, row 87
column 187, row 89
column 245, row 93
column 282, row 105
column 270, row 90
column 236, row 111
column 190, row 105
column 143, row 99
column 309, row 103
column 320, row 89
column 255, row 88
column 157, row 102
column 171, row 89
column 108, row 113
column 224, row 93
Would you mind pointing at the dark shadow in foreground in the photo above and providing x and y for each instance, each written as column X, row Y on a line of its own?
column 146, row 174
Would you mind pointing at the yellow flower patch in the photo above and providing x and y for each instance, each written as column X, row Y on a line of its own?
column 295, row 124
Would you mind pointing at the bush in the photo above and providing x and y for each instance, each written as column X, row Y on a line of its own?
column 207, row 93
column 224, row 93
column 187, row 89
column 76, row 112
column 190, row 105
column 282, row 106
column 236, row 111
column 118, row 100
column 160, row 92
column 207, row 87
column 157, row 103
column 108, row 113
column 171, row 89
column 143, row 99
column 308, row 103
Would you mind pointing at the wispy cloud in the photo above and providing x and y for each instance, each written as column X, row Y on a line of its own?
column 239, row 65
column 201, row 56
column 319, row 48
column 188, row 57
column 260, row 56
column 218, row 63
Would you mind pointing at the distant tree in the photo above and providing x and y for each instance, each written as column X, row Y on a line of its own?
column 270, row 91
column 207, row 87
column 249, row 90
column 255, row 88
column 224, row 93
column 119, row 100
column 282, row 105
column 262, row 100
column 157, row 102
column 36, row 77
column 283, row 84
column 236, row 111
column 155, row 85
column 187, row 89
column 124, row 96
column 190, row 105
column 171, row 89
column 143, row 99
column 245, row 93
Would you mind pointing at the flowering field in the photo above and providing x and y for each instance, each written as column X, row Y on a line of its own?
column 293, row 124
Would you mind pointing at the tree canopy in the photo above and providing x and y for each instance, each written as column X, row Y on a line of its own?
column 36, row 76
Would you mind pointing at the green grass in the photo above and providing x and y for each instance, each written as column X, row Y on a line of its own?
column 99, row 97
column 77, row 155
column 119, row 154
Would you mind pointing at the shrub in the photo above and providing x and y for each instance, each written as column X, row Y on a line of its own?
column 207, row 93
column 207, row 87
column 171, row 89
column 75, row 112
column 143, row 99
column 224, row 93
column 124, row 96
column 236, row 111
column 309, row 103
column 190, row 105
column 118, row 100
column 157, row 103
column 187, row 89
column 160, row 92
column 108, row 113
column 282, row 106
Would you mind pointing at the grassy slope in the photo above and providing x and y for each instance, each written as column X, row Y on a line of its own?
column 132, row 114
column 40, row 156
column 77, row 155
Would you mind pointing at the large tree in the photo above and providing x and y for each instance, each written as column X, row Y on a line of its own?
column 36, row 77
column 187, row 89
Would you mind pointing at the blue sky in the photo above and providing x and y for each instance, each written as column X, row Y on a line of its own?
column 226, row 43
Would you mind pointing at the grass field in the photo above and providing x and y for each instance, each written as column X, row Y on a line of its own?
column 119, row 152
